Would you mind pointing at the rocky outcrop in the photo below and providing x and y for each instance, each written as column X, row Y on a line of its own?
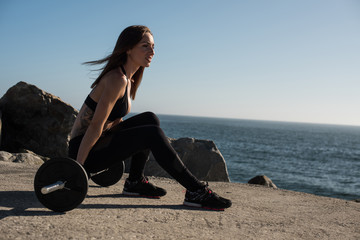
column 35, row 120
column 262, row 180
column 201, row 157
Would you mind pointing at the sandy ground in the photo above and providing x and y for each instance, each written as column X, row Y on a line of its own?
column 257, row 213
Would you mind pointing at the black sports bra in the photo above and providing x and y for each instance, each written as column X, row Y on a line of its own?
column 120, row 108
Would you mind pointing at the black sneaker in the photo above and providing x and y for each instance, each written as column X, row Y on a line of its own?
column 142, row 188
column 206, row 198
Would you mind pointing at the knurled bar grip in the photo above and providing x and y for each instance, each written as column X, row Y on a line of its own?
column 53, row 187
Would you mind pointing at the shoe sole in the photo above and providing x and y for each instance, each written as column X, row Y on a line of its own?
column 131, row 194
column 198, row 205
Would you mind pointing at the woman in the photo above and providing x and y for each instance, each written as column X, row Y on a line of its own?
column 100, row 137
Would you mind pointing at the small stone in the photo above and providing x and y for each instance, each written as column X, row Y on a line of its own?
column 28, row 158
column 262, row 180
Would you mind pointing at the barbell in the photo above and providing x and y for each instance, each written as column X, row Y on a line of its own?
column 61, row 184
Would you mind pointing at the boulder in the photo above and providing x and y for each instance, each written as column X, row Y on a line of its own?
column 35, row 120
column 262, row 180
column 201, row 157
column 28, row 158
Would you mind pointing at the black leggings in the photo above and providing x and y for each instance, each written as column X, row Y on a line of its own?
column 136, row 137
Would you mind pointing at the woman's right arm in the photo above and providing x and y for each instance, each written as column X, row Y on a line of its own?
column 113, row 89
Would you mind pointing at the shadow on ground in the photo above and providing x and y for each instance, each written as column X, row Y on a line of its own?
column 19, row 203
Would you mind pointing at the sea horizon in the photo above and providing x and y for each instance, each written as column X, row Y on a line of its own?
column 249, row 119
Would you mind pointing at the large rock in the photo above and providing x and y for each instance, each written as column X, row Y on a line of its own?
column 35, row 120
column 201, row 157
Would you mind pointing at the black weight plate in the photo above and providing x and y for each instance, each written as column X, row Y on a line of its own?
column 110, row 176
column 61, row 169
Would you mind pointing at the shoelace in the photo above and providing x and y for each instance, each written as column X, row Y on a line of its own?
column 208, row 189
column 211, row 193
column 142, row 180
column 145, row 180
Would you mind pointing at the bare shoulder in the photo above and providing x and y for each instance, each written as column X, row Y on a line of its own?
column 115, row 81
column 112, row 83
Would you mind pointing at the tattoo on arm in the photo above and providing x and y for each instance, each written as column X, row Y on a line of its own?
column 84, row 121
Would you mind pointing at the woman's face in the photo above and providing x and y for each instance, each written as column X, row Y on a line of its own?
column 143, row 52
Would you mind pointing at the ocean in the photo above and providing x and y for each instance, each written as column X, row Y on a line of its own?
column 312, row 158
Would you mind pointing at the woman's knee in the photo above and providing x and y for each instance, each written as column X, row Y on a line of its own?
column 151, row 118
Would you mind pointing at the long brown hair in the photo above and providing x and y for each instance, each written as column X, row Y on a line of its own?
column 128, row 38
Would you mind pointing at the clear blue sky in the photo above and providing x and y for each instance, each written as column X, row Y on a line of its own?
column 269, row 60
